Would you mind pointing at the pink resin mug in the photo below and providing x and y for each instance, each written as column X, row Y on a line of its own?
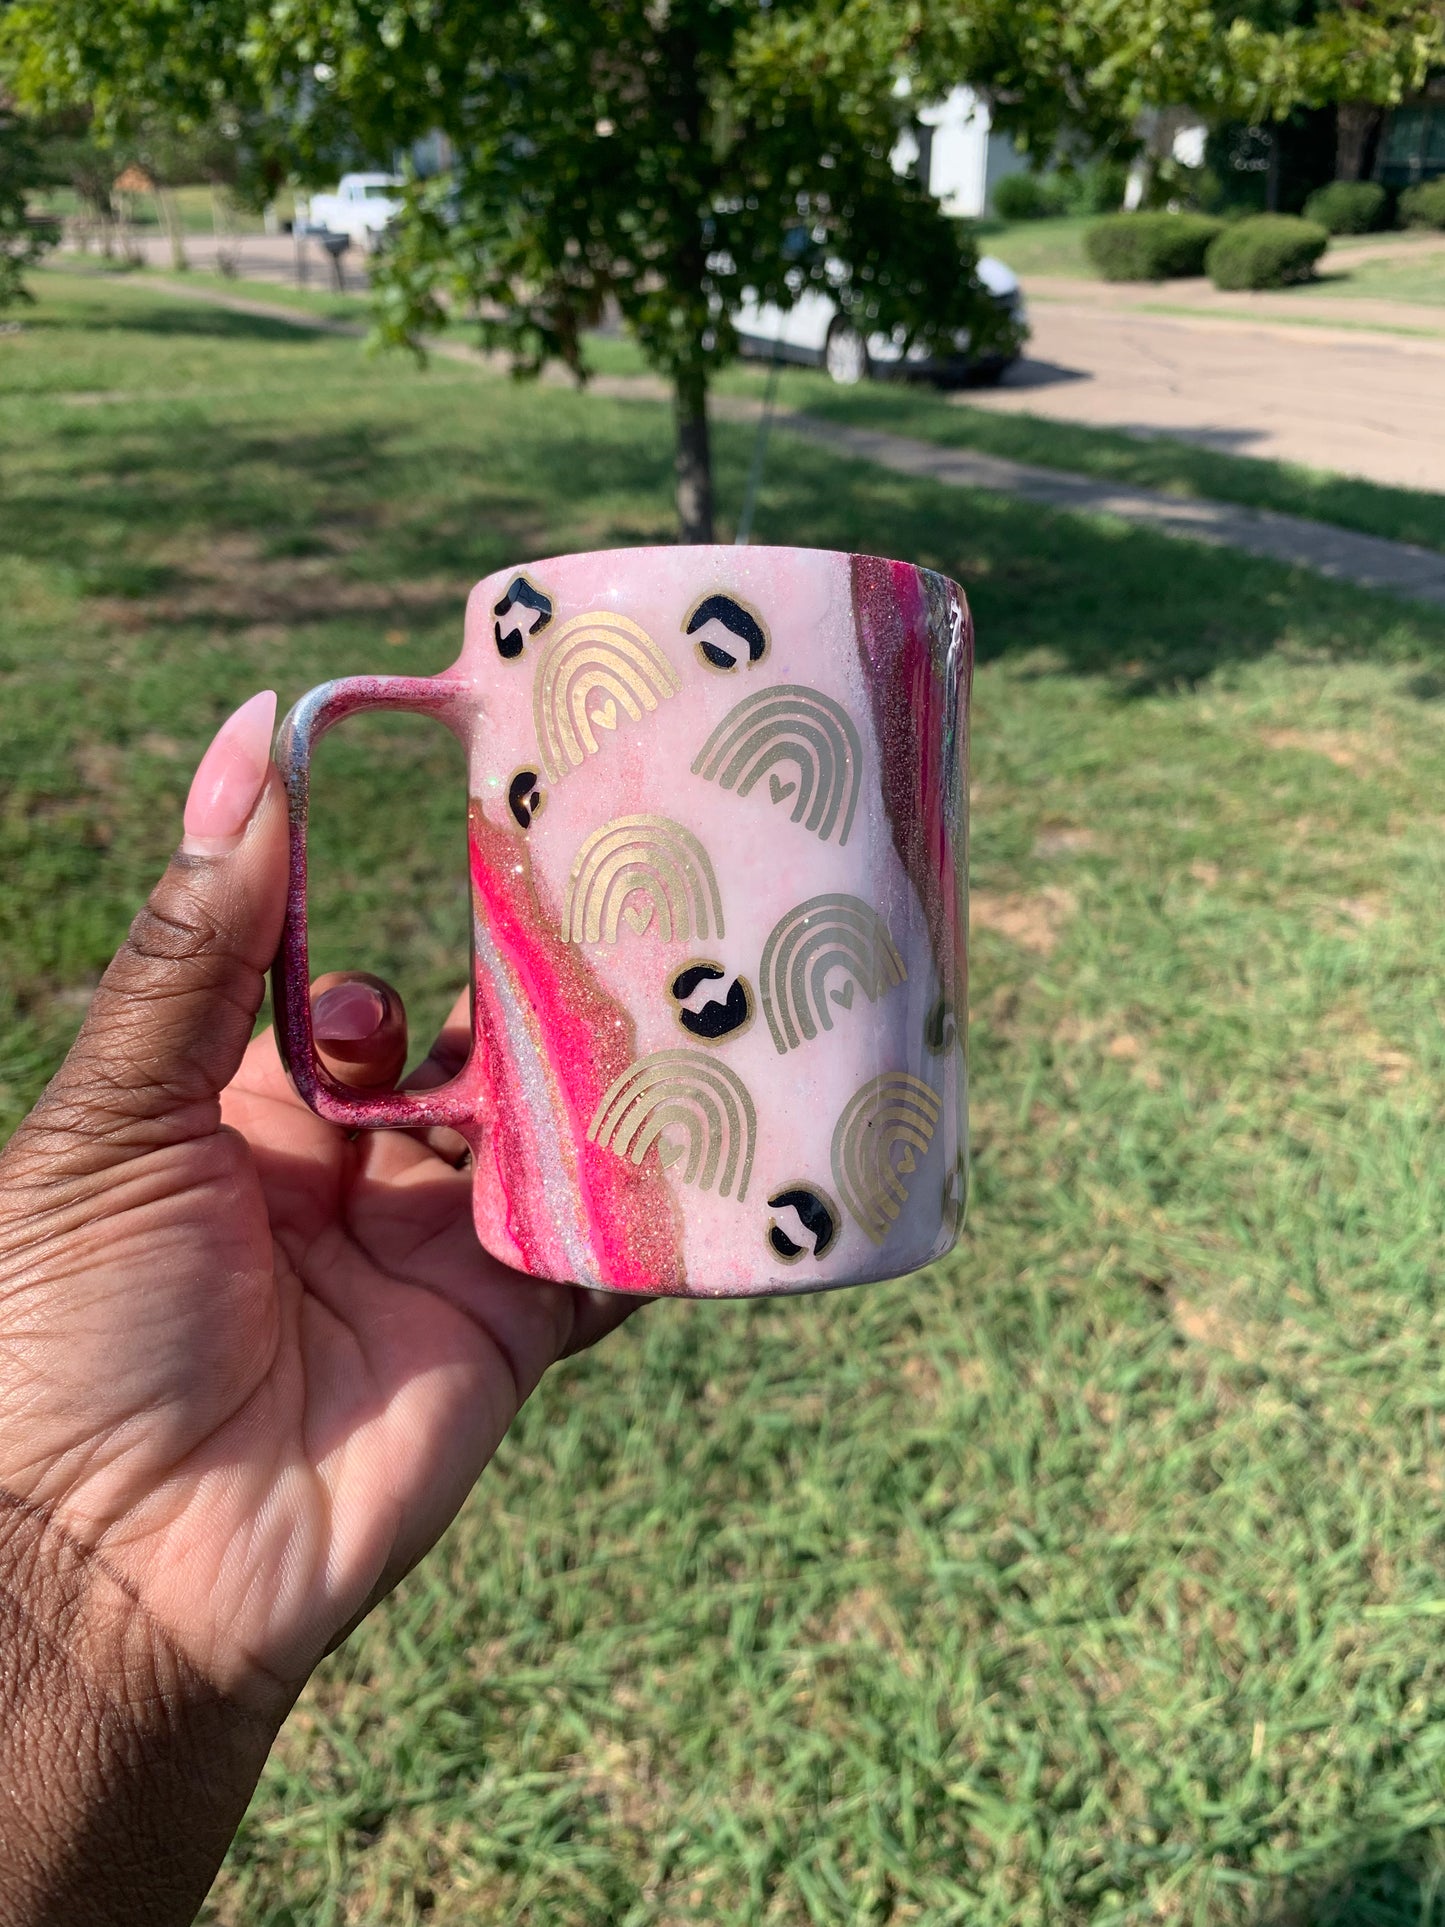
column 718, row 848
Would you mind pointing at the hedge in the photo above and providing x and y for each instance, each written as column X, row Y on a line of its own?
column 1424, row 206
column 1346, row 207
column 1030, row 197
column 1267, row 251
column 1095, row 189
column 1150, row 247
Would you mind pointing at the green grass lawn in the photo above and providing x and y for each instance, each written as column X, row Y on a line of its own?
column 1093, row 1576
column 1177, row 467
column 1038, row 247
column 194, row 205
column 1406, row 275
column 317, row 297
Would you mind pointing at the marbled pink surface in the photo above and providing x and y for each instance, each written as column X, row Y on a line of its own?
column 749, row 760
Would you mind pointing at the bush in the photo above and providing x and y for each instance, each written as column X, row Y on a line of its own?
column 1424, row 206
column 1266, row 251
column 1149, row 247
column 1346, row 207
column 1030, row 197
column 1097, row 188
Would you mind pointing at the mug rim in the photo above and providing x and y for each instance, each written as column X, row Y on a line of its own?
column 714, row 548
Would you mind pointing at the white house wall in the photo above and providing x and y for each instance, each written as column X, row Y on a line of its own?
column 968, row 157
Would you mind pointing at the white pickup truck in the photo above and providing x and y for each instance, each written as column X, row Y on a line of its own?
column 360, row 208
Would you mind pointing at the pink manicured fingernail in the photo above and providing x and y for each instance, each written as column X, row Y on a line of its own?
column 347, row 1013
column 225, row 787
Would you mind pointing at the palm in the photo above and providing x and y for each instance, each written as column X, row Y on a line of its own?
column 314, row 1359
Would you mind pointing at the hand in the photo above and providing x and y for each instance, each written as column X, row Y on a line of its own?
column 249, row 1365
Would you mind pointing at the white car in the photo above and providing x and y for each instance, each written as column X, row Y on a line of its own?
column 815, row 333
column 361, row 208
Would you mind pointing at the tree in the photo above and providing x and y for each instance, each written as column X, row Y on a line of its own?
column 23, row 238
column 1057, row 71
column 160, row 83
column 1362, row 56
column 662, row 155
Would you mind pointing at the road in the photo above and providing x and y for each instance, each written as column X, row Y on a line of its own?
column 1356, row 401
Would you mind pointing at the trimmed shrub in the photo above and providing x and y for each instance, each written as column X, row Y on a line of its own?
column 1346, row 207
column 1030, row 197
column 1150, row 247
column 1266, row 251
column 1424, row 206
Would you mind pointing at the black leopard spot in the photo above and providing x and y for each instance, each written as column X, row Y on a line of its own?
column 521, row 594
column 737, row 620
column 817, row 1216
column 716, row 1019
column 525, row 796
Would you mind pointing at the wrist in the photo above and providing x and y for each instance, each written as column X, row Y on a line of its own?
column 123, row 1772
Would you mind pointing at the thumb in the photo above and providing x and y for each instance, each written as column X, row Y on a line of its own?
column 173, row 1014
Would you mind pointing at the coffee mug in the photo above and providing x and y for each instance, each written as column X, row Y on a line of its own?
column 718, row 850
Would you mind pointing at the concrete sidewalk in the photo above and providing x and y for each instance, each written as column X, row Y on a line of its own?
column 1398, row 568
column 1367, row 561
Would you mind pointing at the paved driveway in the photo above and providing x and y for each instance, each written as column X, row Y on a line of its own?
column 1360, row 403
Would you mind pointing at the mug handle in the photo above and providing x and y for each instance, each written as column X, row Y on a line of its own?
column 318, row 710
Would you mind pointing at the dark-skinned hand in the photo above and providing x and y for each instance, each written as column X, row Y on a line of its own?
column 250, row 1366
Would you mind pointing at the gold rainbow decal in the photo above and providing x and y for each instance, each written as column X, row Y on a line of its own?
column 822, row 934
column 800, row 728
column 688, row 1093
column 648, row 872
column 884, row 1130
column 595, row 667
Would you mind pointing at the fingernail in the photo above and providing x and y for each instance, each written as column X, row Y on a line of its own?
column 347, row 1014
column 232, row 772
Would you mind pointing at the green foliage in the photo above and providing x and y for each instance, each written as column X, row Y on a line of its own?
column 1055, row 69
column 1150, row 247
column 1099, row 187
column 1424, row 204
column 170, row 86
column 1352, row 52
column 1031, row 197
column 662, row 158
column 24, row 237
column 1266, row 251
column 665, row 159
column 1346, row 207
column 1095, row 189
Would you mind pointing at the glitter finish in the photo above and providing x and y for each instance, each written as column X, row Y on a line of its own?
column 705, row 784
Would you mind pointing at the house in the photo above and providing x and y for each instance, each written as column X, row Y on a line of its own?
column 1412, row 145
column 958, row 154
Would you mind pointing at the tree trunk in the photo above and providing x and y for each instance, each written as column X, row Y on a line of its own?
column 1355, row 124
column 175, row 234
column 228, row 254
column 694, row 459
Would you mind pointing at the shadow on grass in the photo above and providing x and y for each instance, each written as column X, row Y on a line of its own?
column 1219, row 464
column 1403, row 1889
column 175, row 316
column 447, row 484
column 1086, row 595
